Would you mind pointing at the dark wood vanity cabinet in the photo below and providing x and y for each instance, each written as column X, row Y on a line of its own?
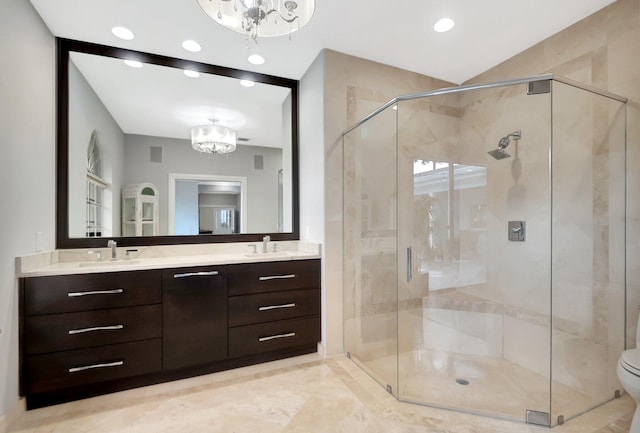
column 194, row 316
column 90, row 334
column 79, row 330
column 273, row 306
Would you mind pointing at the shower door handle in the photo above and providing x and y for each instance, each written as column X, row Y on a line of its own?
column 409, row 265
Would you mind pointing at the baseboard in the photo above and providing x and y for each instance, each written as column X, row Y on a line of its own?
column 321, row 350
column 18, row 409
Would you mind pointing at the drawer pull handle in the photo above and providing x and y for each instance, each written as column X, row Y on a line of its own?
column 195, row 274
column 95, row 292
column 275, row 307
column 96, row 328
column 275, row 337
column 276, row 277
column 90, row 367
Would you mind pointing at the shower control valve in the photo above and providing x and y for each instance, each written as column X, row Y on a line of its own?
column 517, row 231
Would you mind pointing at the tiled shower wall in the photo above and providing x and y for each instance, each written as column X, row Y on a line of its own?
column 598, row 50
column 353, row 87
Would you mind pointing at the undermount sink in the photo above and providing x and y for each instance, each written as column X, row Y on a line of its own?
column 107, row 263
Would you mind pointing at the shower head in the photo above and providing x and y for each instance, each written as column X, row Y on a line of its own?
column 500, row 152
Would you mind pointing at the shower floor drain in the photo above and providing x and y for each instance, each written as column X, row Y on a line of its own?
column 460, row 381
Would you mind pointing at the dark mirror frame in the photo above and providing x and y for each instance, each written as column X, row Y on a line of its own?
column 64, row 47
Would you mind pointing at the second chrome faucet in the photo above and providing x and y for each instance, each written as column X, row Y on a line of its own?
column 265, row 245
column 113, row 245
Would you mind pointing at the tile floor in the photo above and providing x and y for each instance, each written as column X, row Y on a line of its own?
column 430, row 376
column 304, row 394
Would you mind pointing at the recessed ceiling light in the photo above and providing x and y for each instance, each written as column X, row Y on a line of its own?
column 247, row 83
column 192, row 46
column 256, row 59
column 191, row 74
column 443, row 25
column 122, row 33
column 133, row 63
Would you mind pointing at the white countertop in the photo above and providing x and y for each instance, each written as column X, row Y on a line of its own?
column 66, row 262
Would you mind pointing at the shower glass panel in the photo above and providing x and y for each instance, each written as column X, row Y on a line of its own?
column 475, row 331
column 370, row 245
column 484, row 247
column 588, row 268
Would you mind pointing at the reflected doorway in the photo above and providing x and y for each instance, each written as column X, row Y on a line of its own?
column 207, row 204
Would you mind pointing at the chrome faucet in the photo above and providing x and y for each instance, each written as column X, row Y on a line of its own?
column 265, row 240
column 113, row 245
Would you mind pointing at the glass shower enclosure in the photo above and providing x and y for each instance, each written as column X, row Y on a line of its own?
column 484, row 247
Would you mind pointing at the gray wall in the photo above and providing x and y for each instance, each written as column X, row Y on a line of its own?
column 27, row 168
column 179, row 157
column 186, row 207
column 287, row 167
column 312, row 167
column 224, row 200
column 86, row 114
column 311, row 159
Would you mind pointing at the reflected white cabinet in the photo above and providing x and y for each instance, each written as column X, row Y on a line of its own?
column 140, row 210
column 95, row 205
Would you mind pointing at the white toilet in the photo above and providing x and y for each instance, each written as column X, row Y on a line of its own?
column 629, row 376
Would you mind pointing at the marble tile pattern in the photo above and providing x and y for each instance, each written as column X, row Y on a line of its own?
column 572, row 262
column 576, row 207
column 305, row 394
column 353, row 87
column 441, row 345
column 598, row 51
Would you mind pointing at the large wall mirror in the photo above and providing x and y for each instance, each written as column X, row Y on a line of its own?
column 126, row 166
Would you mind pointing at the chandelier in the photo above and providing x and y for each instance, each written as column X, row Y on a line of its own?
column 213, row 138
column 260, row 18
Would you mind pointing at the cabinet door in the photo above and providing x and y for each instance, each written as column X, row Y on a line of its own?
column 194, row 316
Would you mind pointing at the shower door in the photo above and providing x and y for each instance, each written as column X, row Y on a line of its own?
column 370, row 254
column 473, row 305
column 589, row 218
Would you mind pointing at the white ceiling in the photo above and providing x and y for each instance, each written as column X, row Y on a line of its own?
column 398, row 33
column 163, row 102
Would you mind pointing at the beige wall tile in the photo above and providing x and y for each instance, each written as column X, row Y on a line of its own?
column 353, row 87
column 600, row 50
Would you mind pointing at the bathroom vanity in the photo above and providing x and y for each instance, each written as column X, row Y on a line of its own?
column 89, row 330
column 184, row 303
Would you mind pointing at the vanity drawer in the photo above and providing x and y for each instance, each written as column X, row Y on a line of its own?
column 81, row 292
column 270, row 276
column 273, row 336
column 85, row 366
column 67, row 331
column 268, row 307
